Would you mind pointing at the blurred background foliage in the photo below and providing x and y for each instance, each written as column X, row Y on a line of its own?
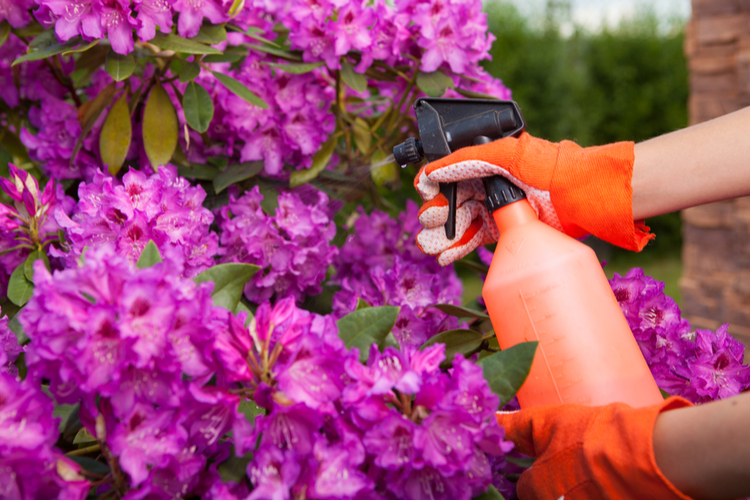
column 628, row 82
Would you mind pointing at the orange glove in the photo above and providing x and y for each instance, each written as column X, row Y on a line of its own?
column 591, row 453
column 576, row 190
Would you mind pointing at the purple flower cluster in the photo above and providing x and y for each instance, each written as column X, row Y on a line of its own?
column 397, row 427
column 135, row 347
column 30, row 466
column 292, row 129
column 381, row 264
column 700, row 366
column 116, row 19
column 162, row 207
column 292, row 247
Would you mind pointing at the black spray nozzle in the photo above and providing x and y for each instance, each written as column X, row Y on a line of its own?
column 446, row 125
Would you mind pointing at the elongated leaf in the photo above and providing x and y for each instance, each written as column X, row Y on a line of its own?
column 197, row 171
column 68, row 414
column 254, row 32
column 319, row 163
column 47, row 51
column 236, row 7
column 149, row 256
column 170, row 41
column 434, row 84
column 90, row 112
column 227, row 56
column 367, row 326
column 490, row 494
column 229, row 282
column 198, row 107
column 460, row 312
column 13, row 145
column 362, row 135
column 92, row 59
column 211, row 34
column 383, row 171
column 296, row 68
column 353, row 80
column 506, row 371
column 270, row 201
column 119, row 66
column 234, row 469
column 456, row 342
column 474, row 95
column 238, row 88
column 361, row 304
column 91, row 465
column 19, row 288
column 83, row 436
column 28, row 266
column 160, row 127
column 283, row 54
column 236, row 173
column 189, row 71
column 81, row 48
column 4, row 31
column 524, row 462
column 117, row 132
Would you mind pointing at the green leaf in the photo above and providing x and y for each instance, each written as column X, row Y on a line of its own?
column 284, row 54
column 238, row 88
column 490, row 494
column 361, row 304
column 19, row 288
column 434, row 84
column 91, row 465
column 91, row 112
column 189, row 71
column 227, row 56
column 296, row 68
column 241, row 307
column 664, row 393
column 211, row 34
column 149, row 256
column 506, row 371
column 250, row 410
column 355, row 81
column 197, row 171
column 383, row 171
column 319, row 162
column 456, row 341
column 28, row 266
column 235, row 468
column 460, row 312
column 362, row 135
column 229, row 282
column 170, row 41
column 270, row 201
column 367, row 326
column 70, row 420
column 198, row 107
column 524, row 462
column 119, row 66
column 236, row 173
column 83, row 436
column 4, row 31
column 17, row 329
column 236, row 7
column 160, row 127
column 47, row 51
column 13, row 145
column 116, row 135
column 81, row 48
column 474, row 95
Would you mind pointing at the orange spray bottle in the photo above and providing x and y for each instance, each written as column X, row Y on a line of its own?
column 542, row 284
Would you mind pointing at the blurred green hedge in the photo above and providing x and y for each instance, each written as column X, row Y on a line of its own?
column 623, row 83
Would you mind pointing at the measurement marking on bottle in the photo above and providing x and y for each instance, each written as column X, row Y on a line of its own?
column 541, row 347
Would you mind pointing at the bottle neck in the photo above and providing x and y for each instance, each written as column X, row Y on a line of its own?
column 515, row 214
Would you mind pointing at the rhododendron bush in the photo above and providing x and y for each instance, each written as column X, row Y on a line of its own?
column 210, row 285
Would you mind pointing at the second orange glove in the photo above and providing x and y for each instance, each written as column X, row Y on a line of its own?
column 577, row 190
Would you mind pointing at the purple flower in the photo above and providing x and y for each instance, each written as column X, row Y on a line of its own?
column 391, row 441
column 117, row 24
column 9, row 348
column 192, row 13
column 75, row 17
column 273, row 473
column 30, row 466
column 16, row 12
column 293, row 247
column 152, row 13
column 163, row 207
column 351, row 28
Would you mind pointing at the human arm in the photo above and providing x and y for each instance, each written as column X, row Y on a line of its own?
column 700, row 164
column 705, row 450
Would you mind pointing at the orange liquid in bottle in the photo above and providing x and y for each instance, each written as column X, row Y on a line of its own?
column 543, row 285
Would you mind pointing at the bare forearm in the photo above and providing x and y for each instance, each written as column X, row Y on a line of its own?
column 700, row 164
column 705, row 450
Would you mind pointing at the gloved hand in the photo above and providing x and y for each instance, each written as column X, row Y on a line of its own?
column 591, row 453
column 577, row 190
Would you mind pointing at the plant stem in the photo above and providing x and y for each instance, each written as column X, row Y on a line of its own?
column 83, row 451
